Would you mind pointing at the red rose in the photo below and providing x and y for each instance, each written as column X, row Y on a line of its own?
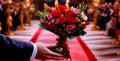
column 62, row 20
column 56, row 13
column 52, row 27
column 83, row 26
column 45, row 23
column 87, row 23
column 72, row 20
column 62, row 8
column 68, row 14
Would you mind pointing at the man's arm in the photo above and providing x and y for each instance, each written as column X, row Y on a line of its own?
column 13, row 50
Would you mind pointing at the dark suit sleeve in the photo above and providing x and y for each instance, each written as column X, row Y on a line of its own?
column 12, row 50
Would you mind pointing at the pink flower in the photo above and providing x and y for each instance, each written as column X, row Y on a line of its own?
column 76, row 12
column 70, row 27
column 52, row 9
column 50, row 17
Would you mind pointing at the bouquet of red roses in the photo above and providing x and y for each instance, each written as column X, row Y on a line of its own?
column 64, row 22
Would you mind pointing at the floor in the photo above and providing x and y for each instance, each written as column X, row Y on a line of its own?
column 99, row 43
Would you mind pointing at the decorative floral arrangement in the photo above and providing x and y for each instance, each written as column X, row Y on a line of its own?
column 64, row 21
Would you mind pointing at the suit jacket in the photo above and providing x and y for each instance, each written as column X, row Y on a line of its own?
column 3, row 17
column 1, row 12
column 14, row 50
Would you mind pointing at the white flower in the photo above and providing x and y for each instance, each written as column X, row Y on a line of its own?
column 84, row 16
column 83, row 22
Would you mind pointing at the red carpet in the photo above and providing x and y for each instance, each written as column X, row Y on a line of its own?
column 78, row 49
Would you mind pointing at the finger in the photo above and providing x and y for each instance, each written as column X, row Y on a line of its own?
column 50, row 45
column 56, row 58
column 56, row 54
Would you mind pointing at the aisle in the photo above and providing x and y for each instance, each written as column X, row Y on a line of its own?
column 78, row 49
column 27, row 34
column 100, row 44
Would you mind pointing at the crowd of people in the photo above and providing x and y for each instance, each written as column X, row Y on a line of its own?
column 108, row 19
column 14, row 15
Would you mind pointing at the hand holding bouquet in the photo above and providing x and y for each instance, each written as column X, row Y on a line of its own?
column 64, row 22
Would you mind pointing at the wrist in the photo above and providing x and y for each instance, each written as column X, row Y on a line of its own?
column 34, row 53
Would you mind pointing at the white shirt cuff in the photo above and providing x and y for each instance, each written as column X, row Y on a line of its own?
column 34, row 53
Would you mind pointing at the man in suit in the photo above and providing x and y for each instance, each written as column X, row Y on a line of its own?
column 12, row 50
column 3, row 16
column 1, row 10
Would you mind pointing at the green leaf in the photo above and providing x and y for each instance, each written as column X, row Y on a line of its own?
column 82, row 7
column 42, row 26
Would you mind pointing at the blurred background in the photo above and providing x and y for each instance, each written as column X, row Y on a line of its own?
column 18, row 20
